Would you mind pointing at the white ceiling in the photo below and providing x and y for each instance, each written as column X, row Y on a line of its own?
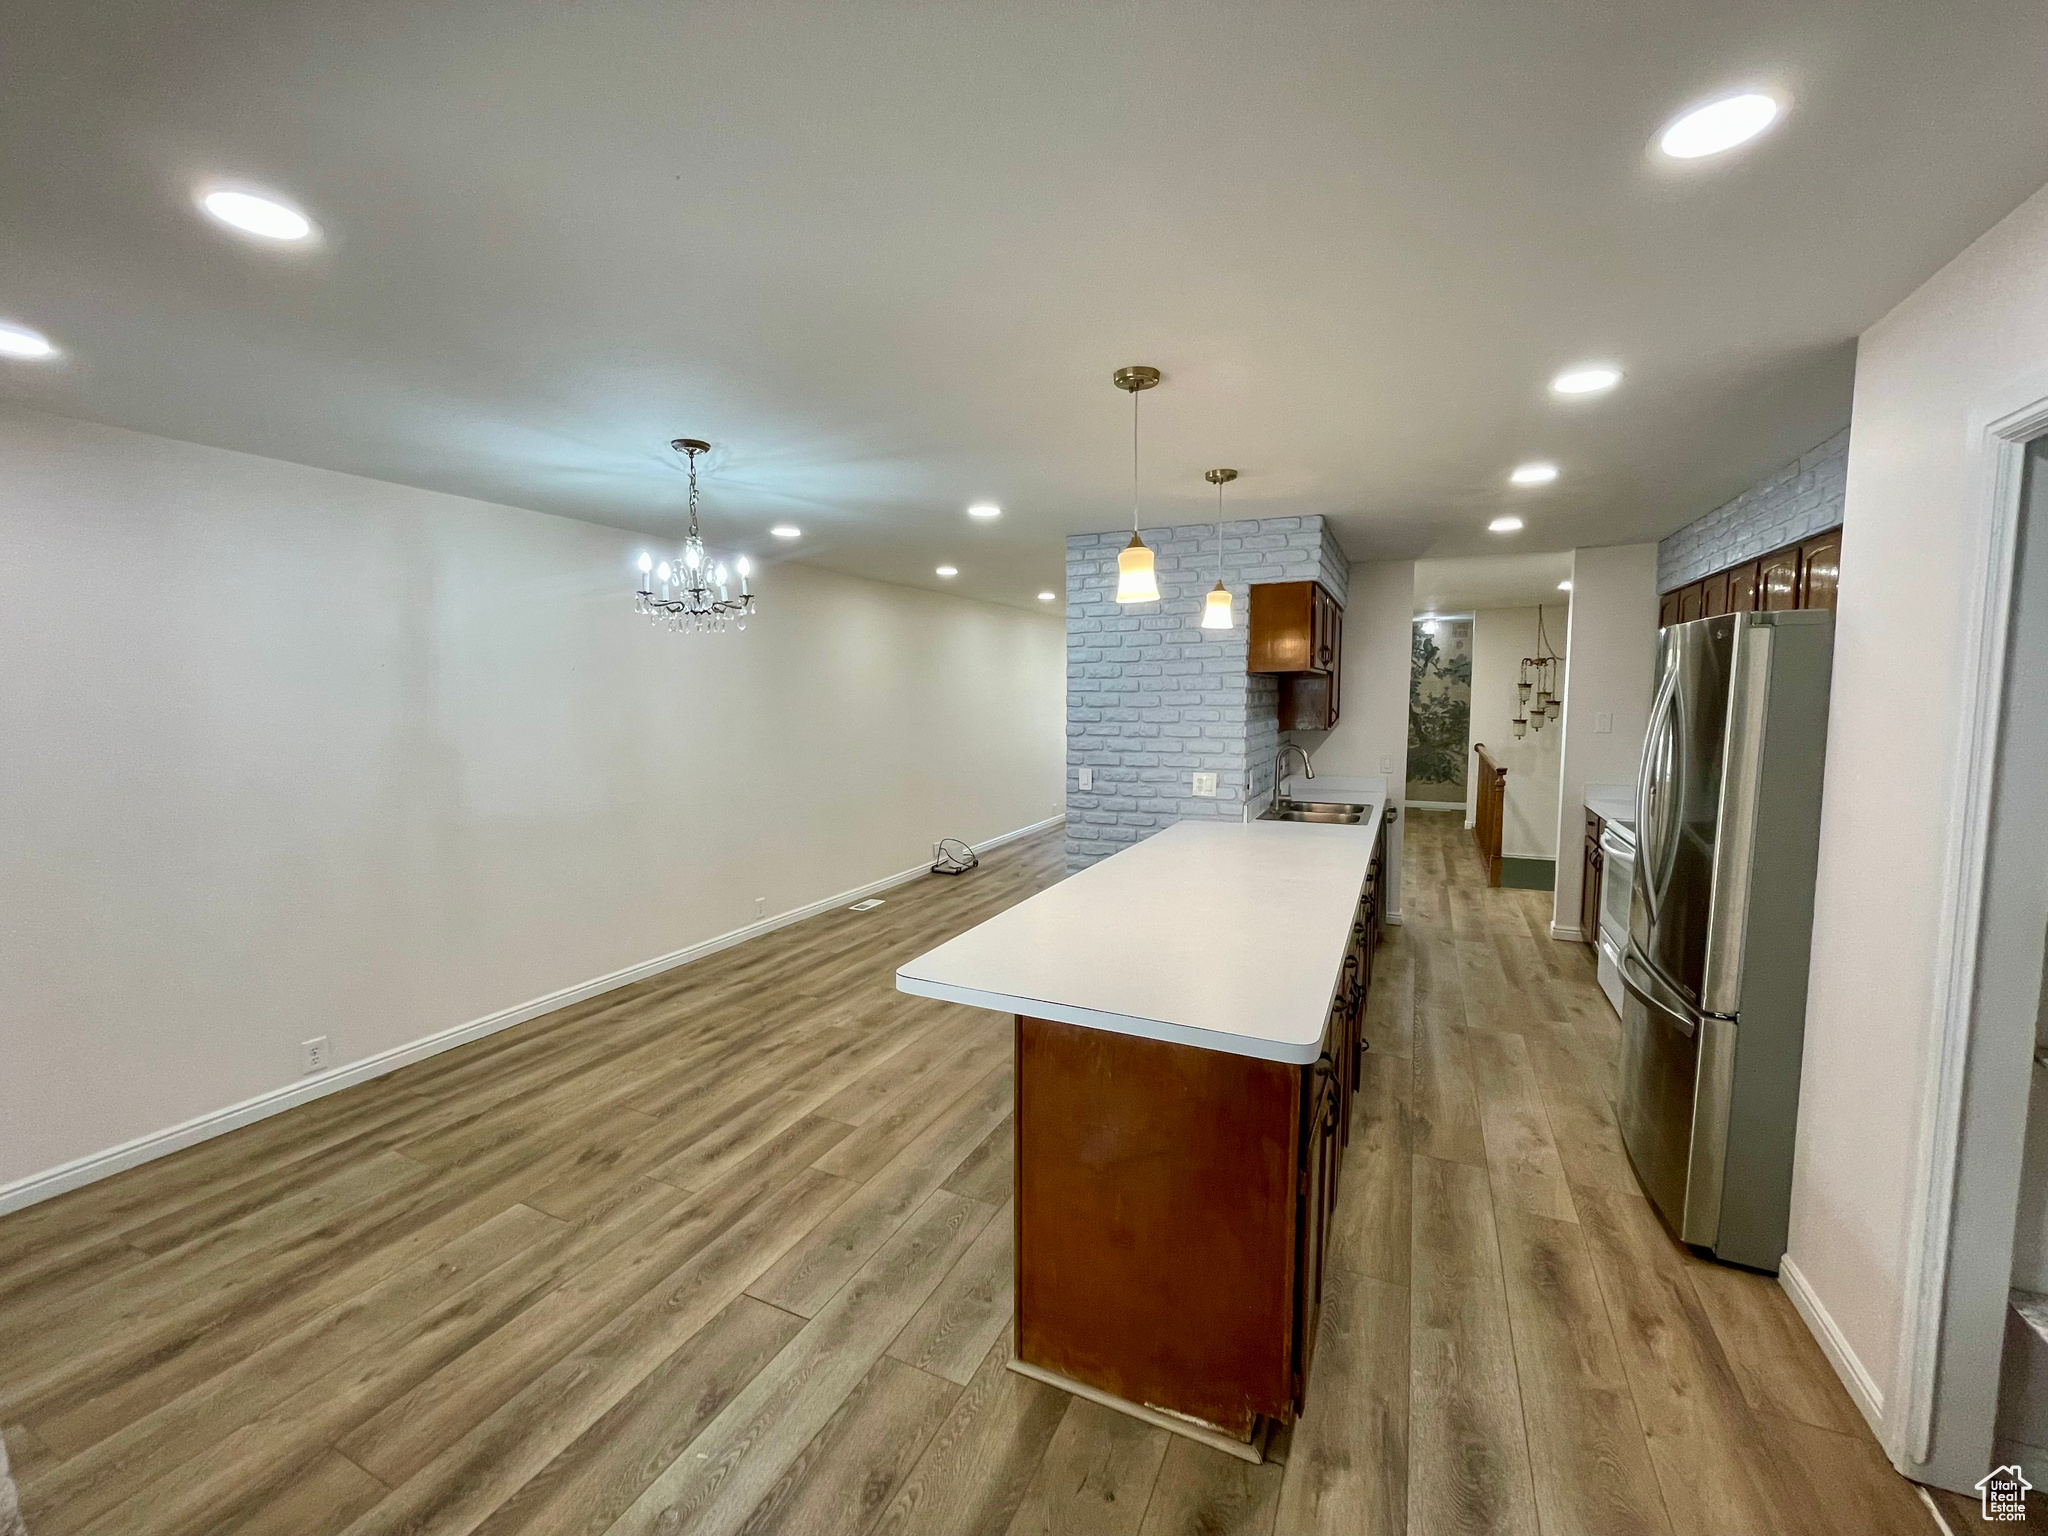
column 886, row 256
column 1473, row 582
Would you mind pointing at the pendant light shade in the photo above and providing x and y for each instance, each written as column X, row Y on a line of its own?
column 1137, row 579
column 1216, row 612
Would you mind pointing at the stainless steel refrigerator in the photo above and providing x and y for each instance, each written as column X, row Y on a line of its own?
column 1720, row 922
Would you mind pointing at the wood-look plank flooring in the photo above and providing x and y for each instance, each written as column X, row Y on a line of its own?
column 729, row 1251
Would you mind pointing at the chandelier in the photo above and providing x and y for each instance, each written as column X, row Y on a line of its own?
column 696, row 592
column 1542, row 675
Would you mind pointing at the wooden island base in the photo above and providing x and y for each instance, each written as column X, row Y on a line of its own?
column 1171, row 1209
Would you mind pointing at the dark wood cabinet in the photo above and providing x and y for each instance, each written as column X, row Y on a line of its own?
column 1802, row 575
column 1742, row 588
column 1820, row 559
column 1589, row 891
column 1778, row 583
column 1297, row 633
column 1316, row 1185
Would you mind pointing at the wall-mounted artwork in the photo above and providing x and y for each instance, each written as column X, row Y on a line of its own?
column 1440, row 712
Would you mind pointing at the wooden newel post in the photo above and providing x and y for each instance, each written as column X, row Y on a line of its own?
column 1491, row 807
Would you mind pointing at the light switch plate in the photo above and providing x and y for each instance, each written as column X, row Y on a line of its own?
column 1087, row 778
column 1603, row 722
column 1205, row 784
column 1387, row 764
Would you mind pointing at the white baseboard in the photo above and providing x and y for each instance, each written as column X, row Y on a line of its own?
column 1863, row 1388
column 99, row 1165
column 1571, row 933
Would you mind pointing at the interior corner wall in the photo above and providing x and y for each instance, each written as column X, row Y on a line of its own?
column 1951, row 356
column 1371, row 738
column 1501, row 637
column 292, row 753
column 1610, row 663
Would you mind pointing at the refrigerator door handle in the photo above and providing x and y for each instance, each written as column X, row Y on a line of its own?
column 1646, row 831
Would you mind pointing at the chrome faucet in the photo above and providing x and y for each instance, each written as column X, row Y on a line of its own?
column 1308, row 770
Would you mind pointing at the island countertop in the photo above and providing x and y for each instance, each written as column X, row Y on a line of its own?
column 1222, row 935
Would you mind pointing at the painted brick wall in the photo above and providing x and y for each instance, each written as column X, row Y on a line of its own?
column 1804, row 497
column 1153, row 698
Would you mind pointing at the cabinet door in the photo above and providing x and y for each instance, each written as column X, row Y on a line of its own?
column 1778, row 581
column 1742, row 588
column 1714, row 595
column 1314, row 1198
column 1821, row 556
column 1667, row 610
column 1278, row 635
column 1689, row 603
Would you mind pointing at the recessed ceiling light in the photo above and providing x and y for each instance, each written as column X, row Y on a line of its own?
column 1045, row 597
column 1587, row 379
column 1534, row 474
column 253, row 214
column 1505, row 525
column 21, row 342
column 984, row 509
column 1564, row 586
column 1718, row 126
column 949, row 570
column 786, row 531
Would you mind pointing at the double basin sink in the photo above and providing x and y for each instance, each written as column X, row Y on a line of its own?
column 1333, row 811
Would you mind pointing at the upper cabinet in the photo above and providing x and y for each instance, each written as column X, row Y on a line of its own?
column 1800, row 575
column 1297, row 633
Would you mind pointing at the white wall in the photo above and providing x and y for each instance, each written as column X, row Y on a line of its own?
column 1609, row 661
column 291, row 753
column 1501, row 637
column 1912, row 521
column 1371, row 738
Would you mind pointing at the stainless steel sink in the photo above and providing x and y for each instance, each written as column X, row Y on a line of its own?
column 1330, row 811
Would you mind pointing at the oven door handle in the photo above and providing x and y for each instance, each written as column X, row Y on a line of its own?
column 1616, row 847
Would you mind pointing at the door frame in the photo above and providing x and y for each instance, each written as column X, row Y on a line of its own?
column 1942, row 1403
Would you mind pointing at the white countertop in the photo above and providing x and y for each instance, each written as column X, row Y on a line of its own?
column 1224, row 935
column 1613, row 802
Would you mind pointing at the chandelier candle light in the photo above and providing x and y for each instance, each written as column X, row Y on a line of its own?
column 1541, row 675
column 696, row 592
column 1216, row 611
column 1137, row 580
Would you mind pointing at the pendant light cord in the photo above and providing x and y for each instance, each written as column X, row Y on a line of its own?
column 1134, row 462
column 1219, row 533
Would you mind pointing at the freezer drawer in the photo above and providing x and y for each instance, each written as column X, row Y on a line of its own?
column 1660, row 1049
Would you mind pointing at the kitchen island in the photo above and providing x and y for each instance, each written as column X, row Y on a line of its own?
column 1187, row 1038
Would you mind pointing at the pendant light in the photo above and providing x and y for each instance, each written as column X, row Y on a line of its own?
column 1137, row 579
column 1216, row 611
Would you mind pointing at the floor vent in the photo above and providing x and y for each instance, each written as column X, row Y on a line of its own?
column 866, row 906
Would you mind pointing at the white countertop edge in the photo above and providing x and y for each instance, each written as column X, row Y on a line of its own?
column 1120, row 1023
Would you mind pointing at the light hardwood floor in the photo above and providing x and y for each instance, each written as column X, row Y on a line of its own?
column 729, row 1250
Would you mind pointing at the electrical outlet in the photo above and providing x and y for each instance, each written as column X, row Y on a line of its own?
column 760, row 906
column 1603, row 722
column 1205, row 784
column 314, row 1054
column 1087, row 778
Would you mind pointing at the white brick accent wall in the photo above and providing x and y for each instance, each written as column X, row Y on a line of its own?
column 1805, row 497
column 1153, row 698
